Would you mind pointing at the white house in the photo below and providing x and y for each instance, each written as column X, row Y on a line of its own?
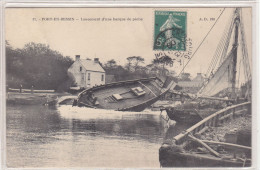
column 86, row 72
column 194, row 85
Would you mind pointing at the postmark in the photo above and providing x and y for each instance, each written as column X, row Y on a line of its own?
column 170, row 30
column 177, row 57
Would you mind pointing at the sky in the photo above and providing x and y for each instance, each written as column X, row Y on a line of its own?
column 89, row 32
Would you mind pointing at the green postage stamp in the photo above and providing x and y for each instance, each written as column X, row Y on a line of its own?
column 170, row 30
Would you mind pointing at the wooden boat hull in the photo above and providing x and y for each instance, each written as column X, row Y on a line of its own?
column 183, row 116
column 187, row 116
column 191, row 148
column 120, row 96
column 168, row 158
column 142, row 106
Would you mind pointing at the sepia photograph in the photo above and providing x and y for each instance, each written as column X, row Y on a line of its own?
column 119, row 87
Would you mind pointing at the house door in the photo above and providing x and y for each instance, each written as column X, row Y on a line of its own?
column 82, row 80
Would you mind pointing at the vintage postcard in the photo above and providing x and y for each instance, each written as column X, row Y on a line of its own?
column 128, row 87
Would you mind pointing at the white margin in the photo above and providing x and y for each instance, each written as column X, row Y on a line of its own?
column 138, row 4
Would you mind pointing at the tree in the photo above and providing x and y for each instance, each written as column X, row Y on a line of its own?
column 110, row 63
column 134, row 62
column 165, row 61
column 161, row 62
column 129, row 62
column 155, row 62
column 37, row 65
column 138, row 60
column 13, row 60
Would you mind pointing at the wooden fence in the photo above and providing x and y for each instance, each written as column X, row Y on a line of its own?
column 30, row 90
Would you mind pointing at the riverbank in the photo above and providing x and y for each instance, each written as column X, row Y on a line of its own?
column 34, row 99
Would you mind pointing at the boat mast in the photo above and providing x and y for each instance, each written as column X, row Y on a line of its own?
column 235, row 44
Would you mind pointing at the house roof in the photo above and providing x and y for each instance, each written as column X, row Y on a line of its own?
column 91, row 65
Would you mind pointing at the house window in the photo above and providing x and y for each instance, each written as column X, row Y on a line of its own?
column 80, row 68
column 102, row 77
column 88, row 76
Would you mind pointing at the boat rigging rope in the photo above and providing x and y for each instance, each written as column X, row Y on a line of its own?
column 221, row 50
column 239, row 68
column 215, row 59
column 245, row 58
column 201, row 42
column 223, row 57
column 244, row 51
column 245, row 64
column 220, row 54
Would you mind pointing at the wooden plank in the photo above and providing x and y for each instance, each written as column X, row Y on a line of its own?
column 215, row 98
column 238, row 112
column 205, row 145
column 227, row 144
column 147, row 88
column 225, row 116
column 202, row 130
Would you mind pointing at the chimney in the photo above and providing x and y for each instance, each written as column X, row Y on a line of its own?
column 77, row 57
column 96, row 60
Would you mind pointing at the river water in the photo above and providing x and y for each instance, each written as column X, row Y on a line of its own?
column 65, row 136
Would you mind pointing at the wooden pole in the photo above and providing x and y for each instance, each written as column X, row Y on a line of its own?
column 227, row 144
column 205, row 145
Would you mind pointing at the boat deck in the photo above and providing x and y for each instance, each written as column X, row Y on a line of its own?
column 106, row 101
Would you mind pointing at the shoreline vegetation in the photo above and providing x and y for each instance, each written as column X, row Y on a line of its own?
column 37, row 74
column 38, row 66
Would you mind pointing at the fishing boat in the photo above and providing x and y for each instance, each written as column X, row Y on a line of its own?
column 222, row 139
column 132, row 95
column 190, row 112
column 193, row 110
column 220, row 89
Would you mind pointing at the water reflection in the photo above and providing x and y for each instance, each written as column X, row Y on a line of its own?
column 142, row 126
column 38, row 136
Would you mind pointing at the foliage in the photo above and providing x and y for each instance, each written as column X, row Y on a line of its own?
column 36, row 65
column 133, row 62
column 122, row 74
column 160, row 63
column 164, row 61
column 134, row 70
column 110, row 63
column 39, row 66
column 126, row 73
